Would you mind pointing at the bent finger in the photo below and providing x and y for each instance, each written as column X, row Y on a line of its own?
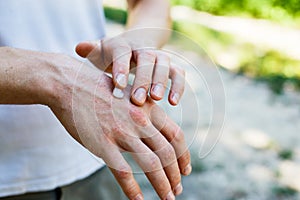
column 177, row 76
column 150, row 163
column 121, row 64
column 145, row 63
column 93, row 52
column 160, row 76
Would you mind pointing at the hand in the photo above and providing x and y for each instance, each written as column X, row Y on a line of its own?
column 107, row 126
column 82, row 101
column 153, row 68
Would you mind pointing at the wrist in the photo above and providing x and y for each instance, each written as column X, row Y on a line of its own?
column 45, row 72
column 56, row 78
column 70, row 80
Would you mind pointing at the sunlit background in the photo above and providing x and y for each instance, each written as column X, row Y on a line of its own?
column 256, row 46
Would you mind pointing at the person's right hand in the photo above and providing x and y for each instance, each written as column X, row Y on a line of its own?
column 108, row 126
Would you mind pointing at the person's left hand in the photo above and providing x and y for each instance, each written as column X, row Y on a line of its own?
column 153, row 68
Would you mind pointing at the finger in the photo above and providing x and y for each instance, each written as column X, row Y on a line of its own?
column 122, row 172
column 160, row 76
column 175, row 136
column 166, row 153
column 92, row 51
column 177, row 76
column 121, row 63
column 145, row 63
column 83, row 49
column 128, row 183
column 150, row 163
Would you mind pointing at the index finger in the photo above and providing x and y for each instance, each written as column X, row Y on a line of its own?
column 120, row 69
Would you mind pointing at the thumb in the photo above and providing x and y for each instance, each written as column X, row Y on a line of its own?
column 83, row 49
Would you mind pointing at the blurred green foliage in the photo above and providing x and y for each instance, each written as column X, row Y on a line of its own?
column 264, row 65
column 115, row 14
column 286, row 154
column 277, row 10
column 283, row 192
column 275, row 69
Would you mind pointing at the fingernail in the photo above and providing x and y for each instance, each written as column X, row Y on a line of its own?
column 175, row 98
column 178, row 189
column 138, row 197
column 170, row 196
column 121, row 80
column 140, row 95
column 118, row 93
column 158, row 90
column 187, row 170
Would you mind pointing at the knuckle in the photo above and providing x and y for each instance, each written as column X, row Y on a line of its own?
column 169, row 153
column 154, row 162
column 177, row 135
column 142, row 81
column 146, row 54
column 163, row 58
column 121, row 65
column 144, row 78
column 118, row 133
column 122, row 54
column 179, row 71
column 124, row 48
column 124, row 172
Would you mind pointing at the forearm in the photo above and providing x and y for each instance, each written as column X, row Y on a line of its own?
column 153, row 14
column 25, row 77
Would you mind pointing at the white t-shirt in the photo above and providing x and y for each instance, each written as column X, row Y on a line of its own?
column 36, row 153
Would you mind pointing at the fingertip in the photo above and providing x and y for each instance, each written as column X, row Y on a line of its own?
column 184, row 162
column 84, row 48
column 178, row 189
column 121, row 80
column 187, row 170
column 139, row 96
column 118, row 93
column 174, row 98
column 170, row 196
column 157, row 91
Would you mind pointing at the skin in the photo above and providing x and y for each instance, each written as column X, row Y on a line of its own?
column 153, row 68
column 81, row 98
